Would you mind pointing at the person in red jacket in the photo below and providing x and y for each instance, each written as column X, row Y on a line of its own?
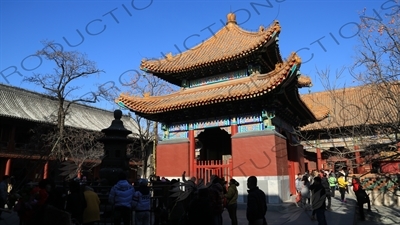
column 39, row 197
column 362, row 197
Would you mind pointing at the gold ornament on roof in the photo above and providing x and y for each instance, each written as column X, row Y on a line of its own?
column 169, row 56
column 231, row 18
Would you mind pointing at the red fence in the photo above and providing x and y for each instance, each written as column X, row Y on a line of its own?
column 205, row 168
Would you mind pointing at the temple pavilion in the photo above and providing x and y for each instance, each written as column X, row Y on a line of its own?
column 236, row 112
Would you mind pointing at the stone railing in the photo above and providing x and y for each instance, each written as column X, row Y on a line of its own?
column 383, row 190
column 388, row 198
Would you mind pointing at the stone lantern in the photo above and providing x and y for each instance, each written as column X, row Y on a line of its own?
column 115, row 160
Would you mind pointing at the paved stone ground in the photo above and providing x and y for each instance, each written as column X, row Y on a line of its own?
column 380, row 215
column 289, row 214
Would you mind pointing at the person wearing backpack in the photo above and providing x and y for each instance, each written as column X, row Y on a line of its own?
column 362, row 197
column 256, row 203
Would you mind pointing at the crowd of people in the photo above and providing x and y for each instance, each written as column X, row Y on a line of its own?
column 203, row 203
column 74, row 201
column 173, row 201
column 316, row 190
column 44, row 202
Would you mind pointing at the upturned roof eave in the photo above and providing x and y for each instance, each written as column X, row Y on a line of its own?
column 261, row 38
column 153, row 104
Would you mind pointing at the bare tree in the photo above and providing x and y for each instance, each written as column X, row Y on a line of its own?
column 377, row 66
column 70, row 67
column 360, row 119
column 147, row 136
column 83, row 149
column 367, row 116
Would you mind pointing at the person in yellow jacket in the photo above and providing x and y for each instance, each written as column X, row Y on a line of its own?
column 92, row 210
column 342, row 183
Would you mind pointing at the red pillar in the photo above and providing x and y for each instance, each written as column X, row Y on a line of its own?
column 234, row 129
column 8, row 167
column 192, row 146
column 46, row 170
column 360, row 168
column 319, row 159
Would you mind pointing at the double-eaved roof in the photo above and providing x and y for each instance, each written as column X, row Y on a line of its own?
column 230, row 49
column 22, row 104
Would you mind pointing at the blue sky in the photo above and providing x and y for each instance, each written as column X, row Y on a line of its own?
column 118, row 34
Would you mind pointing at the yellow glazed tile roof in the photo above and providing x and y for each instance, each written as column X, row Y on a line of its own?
column 354, row 106
column 243, row 88
column 228, row 44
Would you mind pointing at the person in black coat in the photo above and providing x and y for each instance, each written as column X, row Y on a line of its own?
column 256, row 203
column 318, row 200
column 325, row 184
column 76, row 202
column 199, row 211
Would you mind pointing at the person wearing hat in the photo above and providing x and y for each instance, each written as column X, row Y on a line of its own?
column 231, row 197
column 141, row 203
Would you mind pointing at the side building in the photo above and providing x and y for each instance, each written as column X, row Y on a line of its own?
column 21, row 113
column 361, row 131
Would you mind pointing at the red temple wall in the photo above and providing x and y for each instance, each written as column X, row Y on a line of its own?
column 296, row 164
column 172, row 158
column 281, row 152
column 390, row 167
column 261, row 154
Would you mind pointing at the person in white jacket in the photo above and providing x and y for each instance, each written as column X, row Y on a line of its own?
column 141, row 203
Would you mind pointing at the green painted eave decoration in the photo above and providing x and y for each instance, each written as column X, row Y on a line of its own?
column 293, row 70
column 122, row 105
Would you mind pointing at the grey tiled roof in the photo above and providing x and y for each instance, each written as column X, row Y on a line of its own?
column 27, row 105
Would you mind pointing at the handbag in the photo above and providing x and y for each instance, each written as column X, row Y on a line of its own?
column 298, row 197
column 362, row 196
column 225, row 202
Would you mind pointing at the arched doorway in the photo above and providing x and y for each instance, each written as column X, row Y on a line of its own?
column 214, row 142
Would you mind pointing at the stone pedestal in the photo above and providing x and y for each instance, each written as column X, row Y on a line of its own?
column 376, row 198
column 397, row 197
column 388, row 199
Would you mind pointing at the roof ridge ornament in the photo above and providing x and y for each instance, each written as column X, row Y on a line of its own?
column 231, row 18
column 169, row 56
